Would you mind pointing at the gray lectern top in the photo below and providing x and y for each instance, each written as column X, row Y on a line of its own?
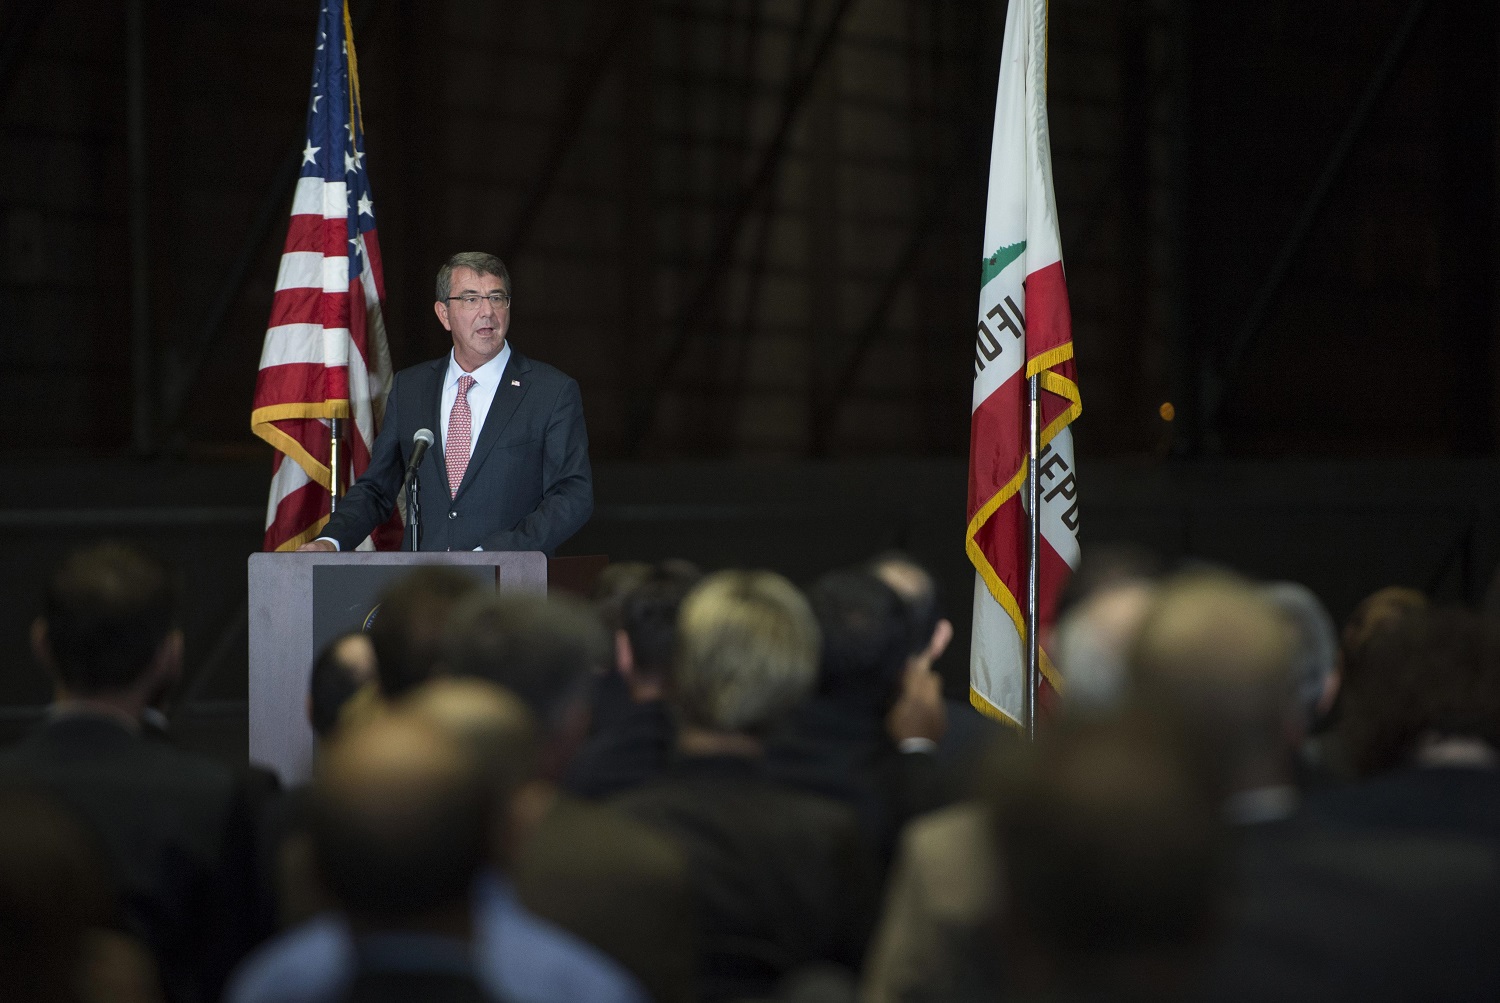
column 300, row 602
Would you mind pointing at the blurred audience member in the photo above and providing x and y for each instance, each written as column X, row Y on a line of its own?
column 1376, row 613
column 400, row 820
column 933, row 938
column 1325, row 760
column 175, row 829
column 1112, row 853
column 1090, row 643
column 58, row 913
column 1107, row 566
column 407, row 634
column 781, row 876
column 516, row 954
column 1215, row 656
column 963, row 732
column 839, row 743
column 610, row 700
column 1315, row 648
column 1422, row 720
column 1390, row 888
column 608, row 879
column 636, row 747
column 341, row 670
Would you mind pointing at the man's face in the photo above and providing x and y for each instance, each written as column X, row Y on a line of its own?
column 479, row 330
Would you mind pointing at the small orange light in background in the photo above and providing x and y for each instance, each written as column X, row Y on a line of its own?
column 1168, row 412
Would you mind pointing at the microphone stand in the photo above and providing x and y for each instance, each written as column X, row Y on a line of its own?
column 413, row 513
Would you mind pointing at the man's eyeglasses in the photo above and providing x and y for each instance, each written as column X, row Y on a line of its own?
column 471, row 300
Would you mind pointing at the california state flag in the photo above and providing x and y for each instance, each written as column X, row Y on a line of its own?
column 1024, row 330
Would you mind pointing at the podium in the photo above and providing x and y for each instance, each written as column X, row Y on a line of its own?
column 301, row 602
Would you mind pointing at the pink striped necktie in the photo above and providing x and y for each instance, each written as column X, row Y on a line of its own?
column 460, row 433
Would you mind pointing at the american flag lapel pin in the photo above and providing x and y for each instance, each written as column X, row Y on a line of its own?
column 515, row 383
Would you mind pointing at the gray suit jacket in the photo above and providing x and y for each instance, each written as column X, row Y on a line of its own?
column 528, row 485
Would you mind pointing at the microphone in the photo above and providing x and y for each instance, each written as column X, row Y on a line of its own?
column 419, row 444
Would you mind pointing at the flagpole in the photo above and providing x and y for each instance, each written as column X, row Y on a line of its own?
column 335, row 464
column 1033, row 573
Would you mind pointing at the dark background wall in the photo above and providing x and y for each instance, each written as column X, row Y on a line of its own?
column 749, row 228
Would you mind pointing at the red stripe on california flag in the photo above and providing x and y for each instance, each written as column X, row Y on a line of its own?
column 1002, row 541
column 1049, row 320
column 1054, row 575
column 995, row 448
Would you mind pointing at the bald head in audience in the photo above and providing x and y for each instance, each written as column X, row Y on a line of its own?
column 498, row 732
column 400, row 819
column 1216, row 656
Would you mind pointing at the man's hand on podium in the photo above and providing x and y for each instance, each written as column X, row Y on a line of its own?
column 317, row 545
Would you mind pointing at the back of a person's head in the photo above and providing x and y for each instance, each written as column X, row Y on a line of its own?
column 494, row 726
column 409, row 626
column 540, row 649
column 648, row 615
column 1091, row 641
column 108, row 611
column 1111, row 848
column 866, row 638
column 340, row 671
column 399, row 818
column 747, row 652
column 918, row 591
column 1109, row 566
column 1378, row 611
column 1215, row 654
column 53, row 890
column 615, row 582
column 1315, row 645
column 1424, row 675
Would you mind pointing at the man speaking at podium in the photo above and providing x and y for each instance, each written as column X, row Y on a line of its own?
column 509, row 469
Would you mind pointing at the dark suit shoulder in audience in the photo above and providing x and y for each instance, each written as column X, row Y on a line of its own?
column 1360, row 913
column 783, row 877
column 174, row 827
column 617, row 884
column 1461, row 801
column 633, row 749
column 841, row 751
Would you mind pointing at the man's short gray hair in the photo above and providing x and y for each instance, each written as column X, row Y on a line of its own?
column 478, row 262
column 747, row 652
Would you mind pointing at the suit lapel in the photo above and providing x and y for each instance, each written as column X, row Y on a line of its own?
column 508, row 396
column 432, row 406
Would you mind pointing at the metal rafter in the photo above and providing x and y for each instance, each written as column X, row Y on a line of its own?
column 583, row 84
column 728, row 235
column 1216, row 382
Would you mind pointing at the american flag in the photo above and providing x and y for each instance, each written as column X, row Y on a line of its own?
column 325, row 354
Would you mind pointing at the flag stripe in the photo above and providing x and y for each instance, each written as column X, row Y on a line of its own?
column 317, row 196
